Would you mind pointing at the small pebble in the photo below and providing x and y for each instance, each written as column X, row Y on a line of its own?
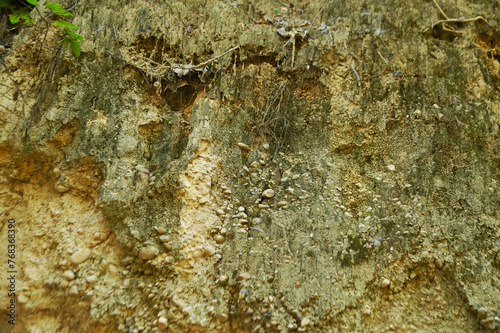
column 73, row 290
column 366, row 311
column 385, row 283
column 209, row 250
column 80, row 256
column 161, row 230
column 198, row 253
column 482, row 312
column 223, row 279
column 261, row 206
column 243, row 276
column 129, row 321
column 218, row 238
column 269, row 193
column 144, row 170
column 135, row 233
column 305, row 322
column 391, row 167
column 255, row 164
column 147, row 253
column 69, row 275
column 162, row 323
column 168, row 260
column 243, row 293
column 243, row 146
column 100, row 236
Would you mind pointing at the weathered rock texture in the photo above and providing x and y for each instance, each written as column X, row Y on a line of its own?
column 141, row 186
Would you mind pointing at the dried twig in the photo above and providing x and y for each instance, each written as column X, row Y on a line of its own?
column 356, row 73
column 440, row 10
column 446, row 20
column 462, row 20
column 116, row 39
column 160, row 68
column 319, row 12
column 383, row 58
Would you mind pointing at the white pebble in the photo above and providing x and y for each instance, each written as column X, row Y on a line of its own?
column 255, row 164
column 269, row 193
column 162, row 323
column 243, row 146
column 209, row 250
column 80, row 256
column 73, row 290
column 69, row 275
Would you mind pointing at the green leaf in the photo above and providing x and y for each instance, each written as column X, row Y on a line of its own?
column 33, row 2
column 65, row 24
column 65, row 42
column 20, row 14
column 14, row 18
column 57, row 8
column 75, row 45
column 74, row 35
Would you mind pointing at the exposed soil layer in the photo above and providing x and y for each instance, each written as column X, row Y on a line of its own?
column 253, row 166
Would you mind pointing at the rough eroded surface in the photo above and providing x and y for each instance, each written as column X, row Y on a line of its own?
column 337, row 170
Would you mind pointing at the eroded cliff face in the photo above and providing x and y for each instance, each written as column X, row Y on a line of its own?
column 255, row 167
